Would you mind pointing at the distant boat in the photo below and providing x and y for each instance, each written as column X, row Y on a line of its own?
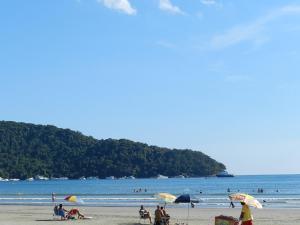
column 180, row 176
column 110, row 178
column 14, row 179
column 159, row 176
column 38, row 177
column 30, row 179
column 92, row 178
column 224, row 173
column 59, row 178
column 128, row 178
column 82, row 178
column 4, row 179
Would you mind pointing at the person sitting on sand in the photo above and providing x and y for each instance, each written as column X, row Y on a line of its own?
column 158, row 216
column 246, row 216
column 60, row 211
column 144, row 213
column 73, row 212
column 165, row 216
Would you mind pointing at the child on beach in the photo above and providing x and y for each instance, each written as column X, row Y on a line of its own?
column 73, row 213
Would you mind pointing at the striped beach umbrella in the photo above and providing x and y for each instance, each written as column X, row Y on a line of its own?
column 165, row 197
column 247, row 199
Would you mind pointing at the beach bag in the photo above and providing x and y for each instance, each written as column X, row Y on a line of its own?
column 226, row 220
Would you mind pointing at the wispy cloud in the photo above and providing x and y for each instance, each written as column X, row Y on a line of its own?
column 119, row 5
column 214, row 3
column 208, row 2
column 252, row 32
column 166, row 5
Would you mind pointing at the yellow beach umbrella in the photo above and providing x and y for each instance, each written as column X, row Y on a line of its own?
column 166, row 197
column 73, row 198
column 248, row 199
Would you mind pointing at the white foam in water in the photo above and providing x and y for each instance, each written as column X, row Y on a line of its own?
column 279, row 191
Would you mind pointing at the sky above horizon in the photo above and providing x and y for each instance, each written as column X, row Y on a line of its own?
column 217, row 76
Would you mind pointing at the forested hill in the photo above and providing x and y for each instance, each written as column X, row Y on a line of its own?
column 27, row 150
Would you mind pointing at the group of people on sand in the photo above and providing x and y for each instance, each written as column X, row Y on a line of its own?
column 67, row 214
column 161, row 216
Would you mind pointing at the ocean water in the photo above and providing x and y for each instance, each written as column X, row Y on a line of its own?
column 279, row 191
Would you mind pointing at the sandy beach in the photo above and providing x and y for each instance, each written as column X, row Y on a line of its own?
column 38, row 215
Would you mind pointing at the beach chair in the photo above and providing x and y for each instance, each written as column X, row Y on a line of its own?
column 143, row 216
column 165, row 220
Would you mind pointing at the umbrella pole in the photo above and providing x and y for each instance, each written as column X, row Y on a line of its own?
column 188, row 214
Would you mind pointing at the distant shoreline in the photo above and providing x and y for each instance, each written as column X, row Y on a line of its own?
column 272, row 191
column 141, row 178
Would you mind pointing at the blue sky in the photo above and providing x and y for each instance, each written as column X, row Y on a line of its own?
column 217, row 76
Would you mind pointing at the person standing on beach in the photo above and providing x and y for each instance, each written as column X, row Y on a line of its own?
column 158, row 216
column 53, row 197
column 246, row 216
